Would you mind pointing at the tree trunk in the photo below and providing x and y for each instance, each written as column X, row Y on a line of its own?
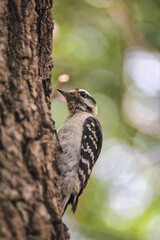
column 30, row 199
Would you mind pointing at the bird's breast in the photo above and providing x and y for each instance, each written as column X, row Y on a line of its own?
column 70, row 135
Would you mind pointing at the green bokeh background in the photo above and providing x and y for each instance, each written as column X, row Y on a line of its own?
column 111, row 49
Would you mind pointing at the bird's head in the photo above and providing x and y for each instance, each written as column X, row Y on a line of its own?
column 79, row 100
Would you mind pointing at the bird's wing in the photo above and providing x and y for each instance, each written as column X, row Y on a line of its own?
column 90, row 150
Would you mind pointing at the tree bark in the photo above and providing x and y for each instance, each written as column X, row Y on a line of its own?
column 30, row 199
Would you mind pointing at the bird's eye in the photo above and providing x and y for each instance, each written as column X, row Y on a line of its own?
column 83, row 94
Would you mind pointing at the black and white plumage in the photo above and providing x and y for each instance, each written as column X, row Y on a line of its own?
column 80, row 140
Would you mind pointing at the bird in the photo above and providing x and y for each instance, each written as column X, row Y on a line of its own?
column 80, row 140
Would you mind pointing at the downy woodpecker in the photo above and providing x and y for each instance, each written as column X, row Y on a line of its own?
column 81, row 141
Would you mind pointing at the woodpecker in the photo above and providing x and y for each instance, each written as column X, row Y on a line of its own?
column 80, row 139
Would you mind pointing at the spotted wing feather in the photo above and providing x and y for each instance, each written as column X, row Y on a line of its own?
column 90, row 150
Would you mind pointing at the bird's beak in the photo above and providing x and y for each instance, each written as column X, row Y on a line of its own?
column 67, row 95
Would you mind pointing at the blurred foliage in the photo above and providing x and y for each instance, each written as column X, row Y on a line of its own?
column 111, row 49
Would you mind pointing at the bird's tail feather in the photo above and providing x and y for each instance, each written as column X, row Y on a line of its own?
column 69, row 200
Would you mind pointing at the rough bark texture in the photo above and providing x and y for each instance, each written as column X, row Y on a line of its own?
column 30, row 200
